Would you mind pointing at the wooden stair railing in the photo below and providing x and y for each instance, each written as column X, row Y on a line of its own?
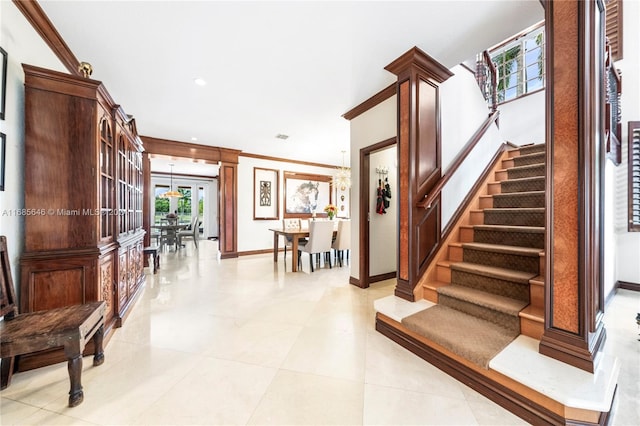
column 428, row 199
column 487, row 78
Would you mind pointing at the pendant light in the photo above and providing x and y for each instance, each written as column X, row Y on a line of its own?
column 171, row 193
column 342, row 178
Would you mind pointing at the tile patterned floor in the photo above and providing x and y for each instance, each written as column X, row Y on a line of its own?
column 241, row 341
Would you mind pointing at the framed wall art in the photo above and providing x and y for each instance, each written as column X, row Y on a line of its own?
column 265, row 194
column 306, row 194
column 3, row 150
column 3, row 82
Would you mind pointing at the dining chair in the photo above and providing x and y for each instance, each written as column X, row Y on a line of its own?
column 342, row 241
column 192, row 232
column 319, row 242
column 288, row 224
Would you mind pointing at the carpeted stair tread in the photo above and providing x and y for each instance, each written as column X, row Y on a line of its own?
column 499, row 248
column 494, row 302
column 529, row 216
column 467, row 336
column 522, row 236
column 536, row 183
column 512, row 228
column 529, row 170
column 494, row 272
column 529, row 158
column 519, row 199
column 530, row 149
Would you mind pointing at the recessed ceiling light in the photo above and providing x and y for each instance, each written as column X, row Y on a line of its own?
column 200, row 81
column 281, row 136
column 194, row 138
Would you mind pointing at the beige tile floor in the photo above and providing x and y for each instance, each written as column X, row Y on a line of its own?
column 241, row 341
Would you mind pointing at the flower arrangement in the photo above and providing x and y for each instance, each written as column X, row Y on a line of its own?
column 331, row 211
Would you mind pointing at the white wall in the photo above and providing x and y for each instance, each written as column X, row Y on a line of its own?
column 463, row 110
column 523, row 121
column 383, row 228
column 627, row 244
column 376, row 125
column 23, row 45
column 255, row 234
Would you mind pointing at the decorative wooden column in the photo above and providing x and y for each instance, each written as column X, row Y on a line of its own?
column 228, row 182
column 419, row 168
column 228, row 209
column 574, row 332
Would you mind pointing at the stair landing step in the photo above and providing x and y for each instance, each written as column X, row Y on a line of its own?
column 499, row 248
column 494, row 302
column 471, row 338
column 494, row 272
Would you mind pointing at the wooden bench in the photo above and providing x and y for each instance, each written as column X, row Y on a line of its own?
column 153, row 251
column 70, row 327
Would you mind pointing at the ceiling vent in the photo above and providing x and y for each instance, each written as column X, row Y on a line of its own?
column 281, row 136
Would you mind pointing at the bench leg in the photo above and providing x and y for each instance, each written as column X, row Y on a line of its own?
column 74, row 365
column 98, row 354
column 7, row 366
column 156, row 262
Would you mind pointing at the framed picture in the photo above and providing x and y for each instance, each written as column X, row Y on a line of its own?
column 3, row 149
column 265, row 194
column 306, row 194
column 3, row 83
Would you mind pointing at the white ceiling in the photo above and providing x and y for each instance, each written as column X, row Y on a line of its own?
column 291, row 67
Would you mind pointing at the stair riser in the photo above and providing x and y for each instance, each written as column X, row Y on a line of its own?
column 531, row 328
column 491, row 285
column 443, row 273
column 430, row 294
column 518, row 200
column 527, row 159
column 536, row 295
column 537, row 171
column 455, row 254
column 510, row 238
column 510, row 323
column 503, row 260
column 529, row 184
column 514, row 218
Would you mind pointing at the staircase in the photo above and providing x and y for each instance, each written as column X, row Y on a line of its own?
column 489, row 289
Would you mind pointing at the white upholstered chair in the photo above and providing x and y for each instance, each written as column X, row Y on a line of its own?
column 320, row 236
column 286, row 225
column 342, row 242
column 192, row 232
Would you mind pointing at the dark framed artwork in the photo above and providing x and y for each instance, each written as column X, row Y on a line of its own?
column 265, row 194
column 3, row 82
column 3, row 150
column 306, row 194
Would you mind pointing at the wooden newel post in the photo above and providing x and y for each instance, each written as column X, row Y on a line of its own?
column 419, row 162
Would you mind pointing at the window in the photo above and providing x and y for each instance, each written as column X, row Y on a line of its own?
column 162, row 204
column 520, row 65
column 634, row 176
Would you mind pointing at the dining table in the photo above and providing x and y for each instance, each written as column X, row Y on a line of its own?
column 169, row 232
column 294, row 234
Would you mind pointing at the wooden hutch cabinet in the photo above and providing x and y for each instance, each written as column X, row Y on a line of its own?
column 83, row 199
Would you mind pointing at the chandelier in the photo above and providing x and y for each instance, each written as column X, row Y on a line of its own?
column 171, row 193
column 342, row 177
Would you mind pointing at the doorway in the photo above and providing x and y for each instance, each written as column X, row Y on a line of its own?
column 378, row 226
